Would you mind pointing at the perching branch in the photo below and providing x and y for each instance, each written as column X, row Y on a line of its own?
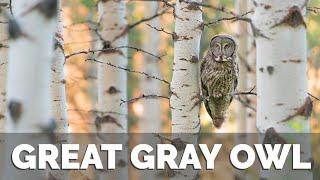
column 245, row 93
column 245, row 103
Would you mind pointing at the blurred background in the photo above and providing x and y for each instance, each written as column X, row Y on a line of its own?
column 79, row 34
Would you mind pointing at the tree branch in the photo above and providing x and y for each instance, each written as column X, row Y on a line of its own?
column 129, row 70
column 143, row 96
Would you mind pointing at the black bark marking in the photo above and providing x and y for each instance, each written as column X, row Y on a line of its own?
column 294, row 18
column 15, row 110
column 272, row 137
column 261, row 69
column 305, row 110
column 179, row 144
column 194, row 59
column 121, row 163
column 2, row 116
column 58, row 44
column 49, row 8
column 193, row 7
column 106, row 119
column 14, row 29
column 185, row 85
column 49, row 128
column 292, row 61
column 112, row 90
column 176, row 37
column 267, row 6
column 63, row 81
column 270, row 69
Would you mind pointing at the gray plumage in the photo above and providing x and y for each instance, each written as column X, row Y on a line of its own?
column 219, row 77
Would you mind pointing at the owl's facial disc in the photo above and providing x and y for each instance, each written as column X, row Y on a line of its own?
column 228, row 49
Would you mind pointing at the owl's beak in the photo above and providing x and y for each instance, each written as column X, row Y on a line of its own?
column 218, row 58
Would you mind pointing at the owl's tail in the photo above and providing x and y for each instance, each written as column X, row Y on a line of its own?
column 217, row 121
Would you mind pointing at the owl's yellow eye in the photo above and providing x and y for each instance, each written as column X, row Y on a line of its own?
column 216, row 46
column 226, row 46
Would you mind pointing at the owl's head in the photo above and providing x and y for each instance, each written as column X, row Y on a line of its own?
column 223, row 48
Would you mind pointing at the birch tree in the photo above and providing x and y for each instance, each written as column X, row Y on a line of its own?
column 241, row 7
column 112, row 82
column 150, row 120
column 283, row 102
column 59, row 107
column 31, row 33
column 251, row 75
column 4, row 5
column 185, row 83
column 185, row 97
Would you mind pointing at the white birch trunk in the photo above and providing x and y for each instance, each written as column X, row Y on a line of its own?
column 112, row 82
column 251, row 126
column 58, row 92
column 29, row 71
column 185, row 83
column 241, row 7
column 282, row 74
column 3, row 63
column 150, row 121
column 184, row 101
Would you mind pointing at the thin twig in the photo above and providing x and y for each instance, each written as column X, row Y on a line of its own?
column 113, row 48
column 143, row 96
column 129, row 70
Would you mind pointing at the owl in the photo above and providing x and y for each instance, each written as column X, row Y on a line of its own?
column 219, row 77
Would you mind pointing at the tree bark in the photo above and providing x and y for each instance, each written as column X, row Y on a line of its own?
column 241, row 7
column 251, row 76
column 112, row 82
column 59, row 106
column 283, row 103
column 150, row 120
column 185, row 82
column 30, row 55
column 185, row 98
column 3, row 63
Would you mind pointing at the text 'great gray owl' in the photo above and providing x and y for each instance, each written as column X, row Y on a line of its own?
column 219, row 77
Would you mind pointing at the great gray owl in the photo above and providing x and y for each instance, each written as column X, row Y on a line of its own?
column 219, row 77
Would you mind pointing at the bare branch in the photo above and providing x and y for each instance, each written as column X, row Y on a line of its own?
column 129, row 70
column 131, row 26
column 316, row 98
column 143, row 96
column 112, row 49
column 245, row 93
